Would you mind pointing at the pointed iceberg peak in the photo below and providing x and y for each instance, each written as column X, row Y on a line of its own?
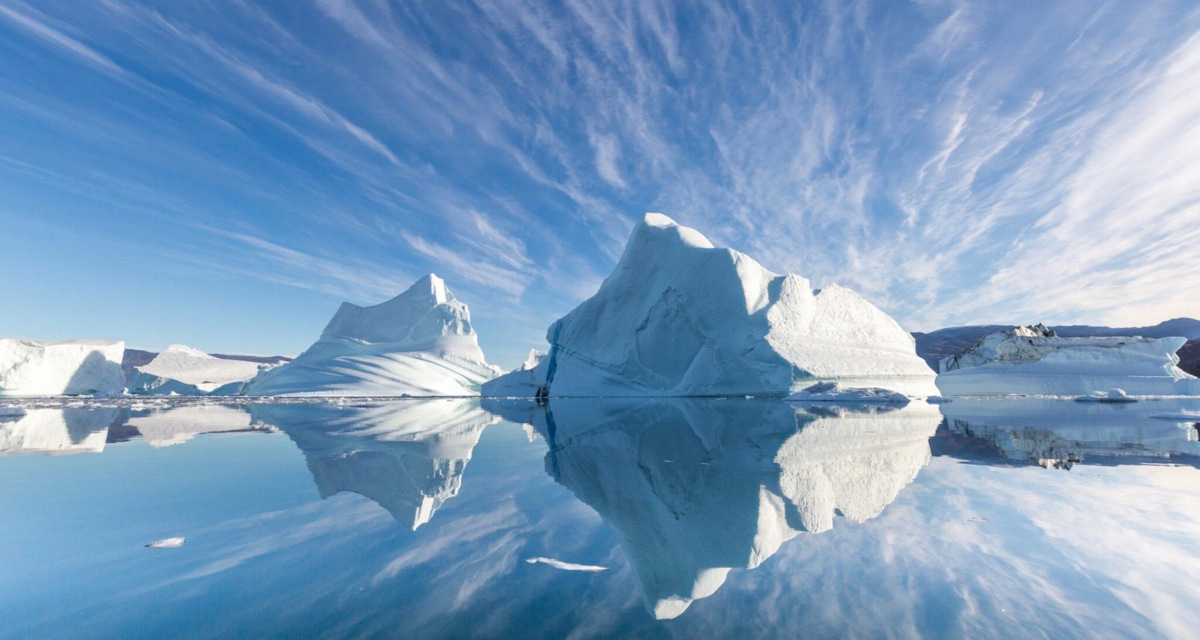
column 656, row 227
column 424, row 314
column 432, row 285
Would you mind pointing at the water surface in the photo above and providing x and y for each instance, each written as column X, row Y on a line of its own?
column 596, row 519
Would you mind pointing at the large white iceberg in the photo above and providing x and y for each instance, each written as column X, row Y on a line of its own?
column 185, row 371
column 419, row 343
column 75, row 367
column 1034, row 361
column 680, row 317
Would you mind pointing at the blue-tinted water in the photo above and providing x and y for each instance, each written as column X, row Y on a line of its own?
column 709, row 518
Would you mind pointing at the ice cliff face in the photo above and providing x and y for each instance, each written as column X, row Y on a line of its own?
column 77, row 367
column 1034, row 361
column 694, row 488
column 419, row 343
column 680, row 317
column 186, row 371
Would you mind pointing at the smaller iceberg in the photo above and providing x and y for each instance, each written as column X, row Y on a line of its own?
column 74, row 368
column 1035, row 361
column 420, row 343
column 184, row 371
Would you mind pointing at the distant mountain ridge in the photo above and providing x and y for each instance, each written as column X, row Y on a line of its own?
column 943, row 343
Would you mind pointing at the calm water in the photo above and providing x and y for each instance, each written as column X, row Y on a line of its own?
column 719, row 518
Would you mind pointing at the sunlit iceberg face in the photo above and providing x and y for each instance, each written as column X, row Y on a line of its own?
column 1059, row 434
column 695, row 488
column 408, row 457
column 57, row 431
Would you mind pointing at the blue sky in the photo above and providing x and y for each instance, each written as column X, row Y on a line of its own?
column 224, row 174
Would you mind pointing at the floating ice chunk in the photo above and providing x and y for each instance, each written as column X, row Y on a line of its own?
column 835, row 392
column 76, row 367
column 938, row 400
column 1177, row 417
column 12, row 412
column 167, row 543
column 419, row 344
column 182, row 370
column 1113, row 395
column 680, row 317
column 566, row 566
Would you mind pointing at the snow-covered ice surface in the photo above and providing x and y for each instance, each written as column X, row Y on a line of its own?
column 1025, row 361
column 680, row 317
column 75, row 367
column 695, row 488
column 183, row 370
column 835, row 392
column 419, row 344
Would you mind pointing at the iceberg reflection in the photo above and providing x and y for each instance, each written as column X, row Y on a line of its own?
column 57, row 431
column 1059, row 434
column 407, row 457
column 695, row 488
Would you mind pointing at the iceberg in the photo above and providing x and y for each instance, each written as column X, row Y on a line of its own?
column 75, row 367
column 419, row 344
column 1035, row 361
column 694, row 488
column 680, row 317
column 182, row 370
column 522, row 382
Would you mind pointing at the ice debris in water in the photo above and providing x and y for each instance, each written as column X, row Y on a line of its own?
column 1113, row 395
column 565, row 566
